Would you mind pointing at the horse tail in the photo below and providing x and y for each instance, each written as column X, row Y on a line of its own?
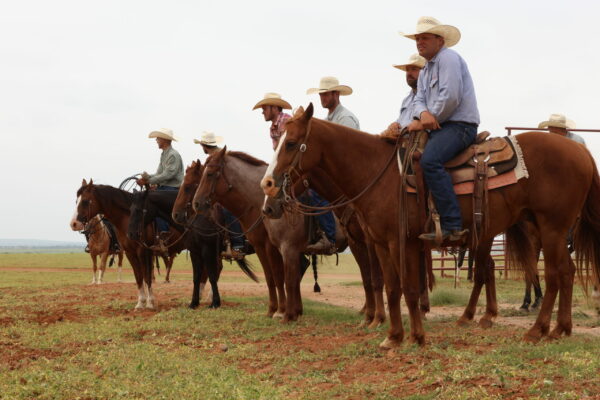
column 520, row 250
column 246, row 267
column 586, row 235
column 316, row 288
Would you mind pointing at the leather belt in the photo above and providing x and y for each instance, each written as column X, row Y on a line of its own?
column 465, row 123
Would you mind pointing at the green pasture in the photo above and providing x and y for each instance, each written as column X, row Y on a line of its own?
column 62, row 339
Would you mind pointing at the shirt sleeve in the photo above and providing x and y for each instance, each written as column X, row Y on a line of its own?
column 350, row 122
column 419, row 104
column 167, row 173
column 450, row 87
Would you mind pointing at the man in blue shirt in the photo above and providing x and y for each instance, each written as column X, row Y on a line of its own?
column 446, row 106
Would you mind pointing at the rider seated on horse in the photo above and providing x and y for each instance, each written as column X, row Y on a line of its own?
column 235, row 246
column 168, row 176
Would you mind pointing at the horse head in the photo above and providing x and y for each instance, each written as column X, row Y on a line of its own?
column 182, row 209
column 140, row 214
column 86, row 207
column 213, row 182
column 294, row 155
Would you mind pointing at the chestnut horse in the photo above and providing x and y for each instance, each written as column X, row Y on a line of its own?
column 114, row 204
column 267, row 253
column 363, row 166
column 99, row 244
column 233, row 180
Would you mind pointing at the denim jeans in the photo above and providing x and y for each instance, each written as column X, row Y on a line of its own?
column 443, row 145
column 161, row 224
column 233, row 224
column 326, row 221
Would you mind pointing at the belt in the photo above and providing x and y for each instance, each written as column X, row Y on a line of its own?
column 465, row 123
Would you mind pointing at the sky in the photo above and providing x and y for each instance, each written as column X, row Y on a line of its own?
column 84, row 82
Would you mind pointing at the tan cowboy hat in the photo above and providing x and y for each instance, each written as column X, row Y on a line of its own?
column 558, row 121
column 450, row 33
column 163, row 133
column 209, row 139
column 273, row 99
column 330, row 84
column 415, row 60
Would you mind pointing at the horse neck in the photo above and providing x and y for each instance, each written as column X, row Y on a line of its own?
column 245, row 197
column 350, row 159
column 116, row 213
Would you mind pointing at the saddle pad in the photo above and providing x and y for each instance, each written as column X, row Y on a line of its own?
column 494, row 182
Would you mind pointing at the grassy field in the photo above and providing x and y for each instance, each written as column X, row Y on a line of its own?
column 61, row 339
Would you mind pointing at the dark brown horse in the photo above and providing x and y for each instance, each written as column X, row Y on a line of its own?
column 552, row 196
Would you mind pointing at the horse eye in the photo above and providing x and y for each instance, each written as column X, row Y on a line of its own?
column 289, row 145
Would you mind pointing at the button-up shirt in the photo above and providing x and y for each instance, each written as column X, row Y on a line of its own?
column 575, row 137
column 341, row 115
column 446, row 90
column 170, row 169
column 278, row 127
column 407, row 110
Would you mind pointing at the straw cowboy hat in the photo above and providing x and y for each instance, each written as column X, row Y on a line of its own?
column 163, row 133
column 273, row 99
column 558, row 121
column 209, row 139
column 450, row 33
column 330, row 84
column 415, row 60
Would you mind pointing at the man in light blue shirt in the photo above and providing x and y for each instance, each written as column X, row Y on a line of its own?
column 446, row 106
column 412, row 68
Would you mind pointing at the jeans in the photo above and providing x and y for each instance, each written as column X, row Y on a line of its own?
column 161, row 224
column 326, row 221
column 443, row 145
column 233, row 224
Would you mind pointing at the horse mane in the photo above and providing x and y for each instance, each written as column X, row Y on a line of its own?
column 120, row 198
column 247, row 158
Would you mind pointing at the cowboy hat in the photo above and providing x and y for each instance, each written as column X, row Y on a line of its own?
column 414, row 60
column 450, row 33
column 330, row 84
column 209, row 139
column 273, row 99
column 558, row 121
column 163, row 133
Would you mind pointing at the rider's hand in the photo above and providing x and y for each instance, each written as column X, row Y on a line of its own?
column 141, row 181
column 392, row 131
column 415, row 126
column 429, row 122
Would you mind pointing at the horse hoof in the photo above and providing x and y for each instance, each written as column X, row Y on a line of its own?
column 374, row 324
column 139, row 306
column 418, row 339
column 193, row 306
column 485, row 323
column 214, row 306
column 389, row 344
column 463, row 321
column 532, row 337
column 277, row 315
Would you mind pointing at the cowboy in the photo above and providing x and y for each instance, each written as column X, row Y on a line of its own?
column 412, row 68
column 168, row 176
column 272, row 109
column 330, row 91
column 234, row 247
column 446, row 106
column 558, row 123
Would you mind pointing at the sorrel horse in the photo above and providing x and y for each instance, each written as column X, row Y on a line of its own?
column 553, row 196
column 99, row 241
column 114, row 204
column 233, row 180
column 270, row 259
column 200, row 237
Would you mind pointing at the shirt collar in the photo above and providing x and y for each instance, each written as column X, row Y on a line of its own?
column 434, row 59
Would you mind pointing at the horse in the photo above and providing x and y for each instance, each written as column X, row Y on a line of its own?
column 552, row 197
column 114, row 204
column 200, row 237
column 99, row 242
column 232, row 179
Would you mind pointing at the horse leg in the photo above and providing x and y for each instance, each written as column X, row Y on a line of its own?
column 566, row 277
column 103, row 260
column 209, row 257
column 94, row 267
column 527, row 298
column 265, row 259
column 377, row 282
column 394, row 293
column 197, row 268
column 491, row 304
column 291, row 261
column 470, row 267
column 537, row 289
column 361, row 255
column 135, row 259
column 411, row 287
column 423, row 287
column 120, row 266
column 479, row 280
column 148, row 272
column 555, row 253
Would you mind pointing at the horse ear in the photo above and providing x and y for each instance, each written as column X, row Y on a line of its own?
column 223, row 151
column 309, row 112
column 91, row 181
column 83, row 182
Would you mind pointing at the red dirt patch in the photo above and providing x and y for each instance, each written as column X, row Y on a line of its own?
column 14, row 355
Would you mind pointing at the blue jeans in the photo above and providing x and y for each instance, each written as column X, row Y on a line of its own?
column 161, row 224
column 236, row 239
column 443, row 145
column 326, row 221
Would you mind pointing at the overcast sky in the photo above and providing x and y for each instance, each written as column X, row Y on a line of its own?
column 84, row 82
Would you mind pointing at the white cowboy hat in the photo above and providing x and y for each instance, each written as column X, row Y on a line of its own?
column 414, row 60
column 558, row 121
column 330, row 84
column 450, row 33
column 163, row 133
column 209, row 139
column 273, row 99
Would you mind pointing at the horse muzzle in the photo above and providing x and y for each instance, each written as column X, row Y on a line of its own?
column 272, row 208
column 269, row 186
